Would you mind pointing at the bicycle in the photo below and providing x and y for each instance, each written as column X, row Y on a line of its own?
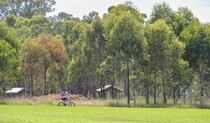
column 67, row 103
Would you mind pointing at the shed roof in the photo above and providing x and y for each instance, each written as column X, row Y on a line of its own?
column 15, row 90
column 107, row 87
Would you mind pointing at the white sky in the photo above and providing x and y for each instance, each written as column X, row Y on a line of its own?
column 79, row 8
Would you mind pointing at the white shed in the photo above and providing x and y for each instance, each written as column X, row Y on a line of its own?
column 18, row 92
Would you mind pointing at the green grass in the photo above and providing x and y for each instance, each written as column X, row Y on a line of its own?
column 55, row 114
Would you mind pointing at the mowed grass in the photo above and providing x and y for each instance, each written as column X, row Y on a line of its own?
column 55, row 114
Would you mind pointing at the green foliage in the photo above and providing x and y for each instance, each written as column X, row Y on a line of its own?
column 39, row 19
column 161, row 11
column 158, row 36
column 9, row 59
column 7, row 56
column 90, row 17
column 196, row 37
column 182, row 19
column 22, row 22
column 11, row 20
column 9, row 35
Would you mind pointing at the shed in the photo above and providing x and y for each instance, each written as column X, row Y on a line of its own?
column 108, row 88
column 18, row 92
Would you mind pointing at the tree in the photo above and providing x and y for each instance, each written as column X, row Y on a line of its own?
column 31, row 56
column 62, row 16
column 125, row 35
column 9, row 59
column 197, row 39
column 10, row 20
column 182, row 19
column 91, row 16
column 162, row 11
column 21, row 21
column 38, row 25
column 7, row 56
column 53, row 55
column 158, row 36
column 22, row 27
column 179, row 72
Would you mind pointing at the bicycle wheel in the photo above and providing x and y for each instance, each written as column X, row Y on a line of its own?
column 71, row 104
column 60, row 104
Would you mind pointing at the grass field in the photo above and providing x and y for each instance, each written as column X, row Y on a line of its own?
column 55, row 114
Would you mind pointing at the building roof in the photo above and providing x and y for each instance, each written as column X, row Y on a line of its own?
column 107, row 87
column 15, row 90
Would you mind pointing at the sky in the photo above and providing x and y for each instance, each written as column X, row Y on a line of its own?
column 79, row 8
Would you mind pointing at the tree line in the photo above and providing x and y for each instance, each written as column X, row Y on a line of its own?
column 166, row 54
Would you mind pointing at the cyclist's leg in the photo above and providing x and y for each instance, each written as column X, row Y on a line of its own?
column 65, row 101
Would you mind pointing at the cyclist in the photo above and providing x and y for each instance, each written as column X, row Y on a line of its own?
column 64, row 94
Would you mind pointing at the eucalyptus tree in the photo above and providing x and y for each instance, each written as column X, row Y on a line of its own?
column 177, row 19
column 69, row 34
column 124, row 33
column 73, row 36
column 56, row 23
column 99, row 49
column 88, row 54
column 22, row 27
column 182, row 19
column 197, row 39
column 54, row 55
column 10, row 19
column 162, row 11
column 31, row 58
column 90, row 17
column 38, row 25
column 159, row 35
column 9, row 59
column 179, row 73
column 21, row 22
column 63, row 16
column 86, row 49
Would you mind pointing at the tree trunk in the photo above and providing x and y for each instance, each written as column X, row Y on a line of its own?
column 125, row 87
column 86, row 87
column 101, row 85
column 45, row 80
column 155, row 101
column 164, row 88
column 147, row 94
column 201, row 81
column 128, row 82
column 202, row 95
column 164, row 92
column 184, row 96
column 191, row 94
column 174, row 93
column 32, row 87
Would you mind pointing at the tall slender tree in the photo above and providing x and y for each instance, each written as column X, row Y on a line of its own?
column 9, row 57
column 124, row 37
column 158, row 36
column 197, row 39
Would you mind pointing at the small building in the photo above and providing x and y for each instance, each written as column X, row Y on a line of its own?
column 109, row 88
column 18, row 92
